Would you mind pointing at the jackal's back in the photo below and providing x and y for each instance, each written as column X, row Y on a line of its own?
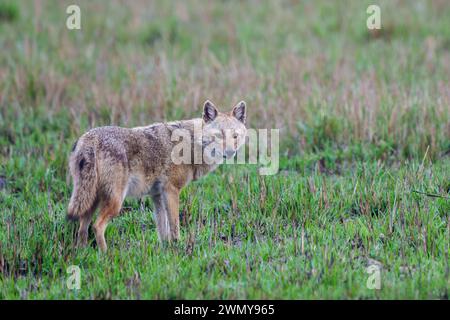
column 106, row 158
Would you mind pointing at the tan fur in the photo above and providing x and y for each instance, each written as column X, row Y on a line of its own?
column 109, row 163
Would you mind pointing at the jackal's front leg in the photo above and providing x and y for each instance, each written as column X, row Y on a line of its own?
column 172, row 195
column 161, row 213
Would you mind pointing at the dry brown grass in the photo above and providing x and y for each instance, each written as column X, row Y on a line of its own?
column 329, row 81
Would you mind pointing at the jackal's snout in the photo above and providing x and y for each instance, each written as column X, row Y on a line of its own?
column 229, row 153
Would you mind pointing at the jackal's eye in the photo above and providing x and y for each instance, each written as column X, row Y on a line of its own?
column 235, row 136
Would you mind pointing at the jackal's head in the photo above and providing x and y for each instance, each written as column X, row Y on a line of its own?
column 223, row 133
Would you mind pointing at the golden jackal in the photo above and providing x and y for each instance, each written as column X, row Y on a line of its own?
column 109, row 163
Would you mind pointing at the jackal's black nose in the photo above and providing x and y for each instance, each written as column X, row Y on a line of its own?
column 229, row 154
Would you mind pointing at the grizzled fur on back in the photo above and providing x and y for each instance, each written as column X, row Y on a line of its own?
column 142, row 149
column 109, row 163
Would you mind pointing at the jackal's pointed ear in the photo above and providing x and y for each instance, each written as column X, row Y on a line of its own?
column 240, row 111
column 209, row 111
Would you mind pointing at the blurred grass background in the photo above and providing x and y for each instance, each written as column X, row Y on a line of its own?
column 312, row 69
column 364, row 119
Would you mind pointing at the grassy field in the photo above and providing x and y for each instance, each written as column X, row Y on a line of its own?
column 364, row 121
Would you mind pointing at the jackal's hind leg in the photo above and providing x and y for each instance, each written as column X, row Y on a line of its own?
column 109, row 210
column 85, row 221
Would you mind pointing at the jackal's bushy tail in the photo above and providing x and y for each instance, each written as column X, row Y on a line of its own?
column 84, row 173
